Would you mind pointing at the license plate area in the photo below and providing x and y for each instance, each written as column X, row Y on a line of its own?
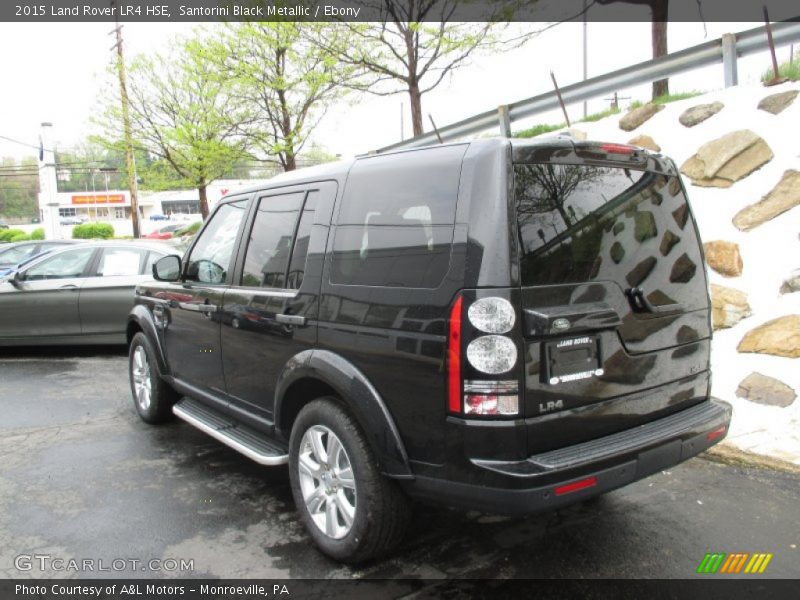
column 571, row 359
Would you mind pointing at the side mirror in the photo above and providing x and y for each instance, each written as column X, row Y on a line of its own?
column 17, row 278
column 167, row 268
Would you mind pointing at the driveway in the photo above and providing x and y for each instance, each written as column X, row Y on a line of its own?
column 81, row 477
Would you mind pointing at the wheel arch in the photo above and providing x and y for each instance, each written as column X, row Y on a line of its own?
column 141, row 320
column 315, row 373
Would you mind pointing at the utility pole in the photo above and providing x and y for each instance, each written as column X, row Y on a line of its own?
column 585, row 54
column 130, row 160
column 48, row 184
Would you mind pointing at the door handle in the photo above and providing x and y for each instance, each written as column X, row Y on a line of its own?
column 68, row 288
column 640, row 303
column 296, row 320
column 572, row 318
column 203, row 308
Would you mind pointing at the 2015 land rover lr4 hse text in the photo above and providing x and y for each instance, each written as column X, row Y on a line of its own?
column 501, row 325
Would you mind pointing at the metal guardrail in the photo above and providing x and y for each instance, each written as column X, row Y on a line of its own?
column 725, row 50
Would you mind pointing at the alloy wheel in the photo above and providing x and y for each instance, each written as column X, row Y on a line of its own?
column 140, row 373
column 327, row 482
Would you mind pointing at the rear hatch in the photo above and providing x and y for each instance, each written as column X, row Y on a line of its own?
column 614, row 294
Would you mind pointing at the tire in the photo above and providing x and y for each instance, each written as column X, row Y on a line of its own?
column 380, row 510
column 152, row 397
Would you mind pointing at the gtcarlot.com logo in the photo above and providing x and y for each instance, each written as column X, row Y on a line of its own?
column 731, row 564
column 47, row 562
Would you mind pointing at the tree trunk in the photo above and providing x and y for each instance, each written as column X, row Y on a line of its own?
column 659, row 31
column 415, row 99
column 289, row 161
column 203, row 201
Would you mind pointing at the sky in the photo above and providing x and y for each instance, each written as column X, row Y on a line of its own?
column 54, row 72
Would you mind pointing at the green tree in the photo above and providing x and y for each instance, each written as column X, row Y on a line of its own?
column 415, row 46
column 288, row 81
column 184, row 115
column 19, row 187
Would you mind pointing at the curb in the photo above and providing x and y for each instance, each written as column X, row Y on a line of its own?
column 729, row 454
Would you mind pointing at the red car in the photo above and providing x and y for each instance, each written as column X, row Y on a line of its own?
column 164, row 233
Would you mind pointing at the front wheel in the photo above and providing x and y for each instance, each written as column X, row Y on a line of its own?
column 352, row 512
column 152, row 397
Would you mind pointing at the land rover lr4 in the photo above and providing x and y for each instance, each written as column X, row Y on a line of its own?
column 501, row 325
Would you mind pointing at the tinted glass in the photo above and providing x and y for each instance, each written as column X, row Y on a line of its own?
column 270, row 244
column 297, row 265
column 211, row 256
column 395, row 224
column 69, row 264
column 115, row 262
column 581, row 223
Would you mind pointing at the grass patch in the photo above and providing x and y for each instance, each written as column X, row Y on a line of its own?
column 537, row 130
column 599, row 115
column 667, row 98
column 791, row 70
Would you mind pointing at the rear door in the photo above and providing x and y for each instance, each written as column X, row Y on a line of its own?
column 271, row 314
column 106, row 297
column 614, row 297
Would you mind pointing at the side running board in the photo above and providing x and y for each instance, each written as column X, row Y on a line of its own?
column 243, row 439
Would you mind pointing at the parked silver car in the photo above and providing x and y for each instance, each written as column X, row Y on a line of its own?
column 15, row 253
column 77, row 295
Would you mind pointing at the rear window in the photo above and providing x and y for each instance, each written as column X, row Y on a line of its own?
column 395, row 224
column 581, row 223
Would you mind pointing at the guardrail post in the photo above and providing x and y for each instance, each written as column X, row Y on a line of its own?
column 504, row 120
column 729, row 67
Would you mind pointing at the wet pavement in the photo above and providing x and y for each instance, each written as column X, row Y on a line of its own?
column 81, row 477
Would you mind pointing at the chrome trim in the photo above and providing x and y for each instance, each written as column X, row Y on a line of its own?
column 475, row 386
column 206, row 308
column 261, row 459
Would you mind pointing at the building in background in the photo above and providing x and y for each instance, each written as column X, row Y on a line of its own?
column 115, row 205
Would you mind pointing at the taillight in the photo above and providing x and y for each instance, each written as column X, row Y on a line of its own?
column 491, row 398
column 493, row 354
column 617, row 148
column 454, row 358
column 492, row 315
column 712, row 435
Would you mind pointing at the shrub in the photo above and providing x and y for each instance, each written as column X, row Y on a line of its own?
column 189, row 229
column 20, row 237
column 7, row 235
column 90, row 231
column 37, row 234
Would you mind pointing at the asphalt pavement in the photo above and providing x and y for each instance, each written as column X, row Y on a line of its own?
column 81, row 477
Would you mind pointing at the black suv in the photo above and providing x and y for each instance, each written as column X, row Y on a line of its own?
column 507, row 326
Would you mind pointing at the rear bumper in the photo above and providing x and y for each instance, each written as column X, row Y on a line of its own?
column 561, row 477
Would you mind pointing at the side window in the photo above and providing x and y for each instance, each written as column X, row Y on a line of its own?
column 395, row 223
column 211, row 255
column 269, row 248
column 66, row 265
column 297, row 265
column 117, row 262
